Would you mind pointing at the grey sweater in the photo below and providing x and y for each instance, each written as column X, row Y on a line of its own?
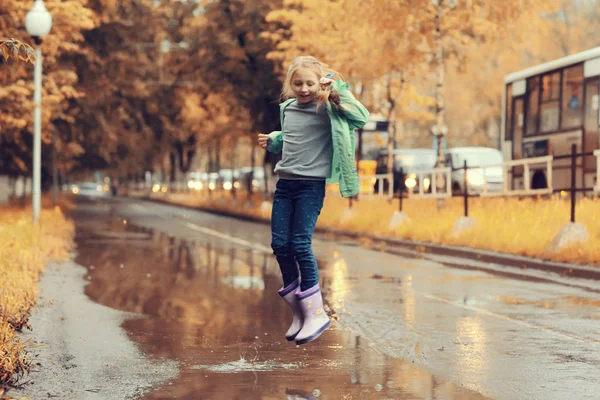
column 307, row 146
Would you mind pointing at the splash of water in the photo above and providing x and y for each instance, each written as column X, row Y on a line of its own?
column 243, row 365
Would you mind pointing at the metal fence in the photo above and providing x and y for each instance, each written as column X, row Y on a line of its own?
column 378, row 186
column 441, row 181
column 550, row 189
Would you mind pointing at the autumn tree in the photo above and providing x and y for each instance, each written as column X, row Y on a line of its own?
column 367, row 42
column 229, row 56
column 59, row 85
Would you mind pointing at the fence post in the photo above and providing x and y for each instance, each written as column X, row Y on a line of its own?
column 466, row 189
column 399, row 177
column 573, row 179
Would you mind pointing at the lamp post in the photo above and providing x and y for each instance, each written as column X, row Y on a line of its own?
column 38, row 23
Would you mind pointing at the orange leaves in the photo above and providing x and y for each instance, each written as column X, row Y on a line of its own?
column 13, row 48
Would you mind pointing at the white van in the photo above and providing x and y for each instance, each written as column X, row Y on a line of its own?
column 488, row 174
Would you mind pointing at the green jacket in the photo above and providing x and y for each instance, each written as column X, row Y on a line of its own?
column 355, row 116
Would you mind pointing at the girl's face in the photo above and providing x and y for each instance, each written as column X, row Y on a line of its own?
column 305, row 84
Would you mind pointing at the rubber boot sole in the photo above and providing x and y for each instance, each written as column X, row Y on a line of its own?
column 291, row 338
column 314, row 335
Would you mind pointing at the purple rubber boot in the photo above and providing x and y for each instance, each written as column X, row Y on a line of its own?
column 316, row 320
column 288, row 293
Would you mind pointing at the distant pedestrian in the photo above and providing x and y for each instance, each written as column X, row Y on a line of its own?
column 317, row 146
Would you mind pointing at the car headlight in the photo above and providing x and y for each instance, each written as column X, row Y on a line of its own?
column 164, row 189
column 426, row 183
column 75, row 190
column 475, row 177
column 236, row 185
column 98, row 188
column 227, row 186
column 198, row 185
column 191, row 184
column 254, row 182
column 156, row 188
column 410, row 182
column 212, row 186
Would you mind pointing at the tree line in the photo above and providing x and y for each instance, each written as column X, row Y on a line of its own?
column 149, row 85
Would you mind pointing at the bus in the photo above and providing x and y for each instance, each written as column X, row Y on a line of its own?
column 546, row 109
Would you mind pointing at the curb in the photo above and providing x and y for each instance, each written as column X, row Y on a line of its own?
column 479, row 255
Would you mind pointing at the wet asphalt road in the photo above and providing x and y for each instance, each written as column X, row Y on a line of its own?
column 405, row 328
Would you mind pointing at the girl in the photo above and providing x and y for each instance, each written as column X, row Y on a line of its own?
column 318, row 118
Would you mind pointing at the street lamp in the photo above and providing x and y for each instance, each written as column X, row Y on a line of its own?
column 38, row 23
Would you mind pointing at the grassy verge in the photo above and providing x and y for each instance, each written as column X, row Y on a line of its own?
column 25, row 250
column 509, row 225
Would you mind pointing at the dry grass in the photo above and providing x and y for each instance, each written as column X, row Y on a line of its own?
column 25, row 249
column 523, row 227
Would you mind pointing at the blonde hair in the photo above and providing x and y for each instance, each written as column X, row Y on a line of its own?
column 320, row 69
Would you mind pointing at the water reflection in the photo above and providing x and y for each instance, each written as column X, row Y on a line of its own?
column 408, row 301
column 215, row 310
column 336, row 282
column 472, row 362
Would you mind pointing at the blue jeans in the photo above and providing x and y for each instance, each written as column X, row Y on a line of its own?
column 296, row 207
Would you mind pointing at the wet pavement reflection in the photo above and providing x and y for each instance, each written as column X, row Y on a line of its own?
column 214, row 309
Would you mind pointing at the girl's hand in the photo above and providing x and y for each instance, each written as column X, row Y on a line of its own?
column 263, row 140
column 325, row 82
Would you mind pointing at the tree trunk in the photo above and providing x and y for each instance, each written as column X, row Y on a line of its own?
column 252, row 165
column 440, row 123
column 24, row 192
column 186, row 156
column 233, row 155
column 391, row 117
column 210, row 160
column 54, row 172
column 218, row 155
column 173, row 166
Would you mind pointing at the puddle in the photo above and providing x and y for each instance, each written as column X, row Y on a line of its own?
column 215, row 310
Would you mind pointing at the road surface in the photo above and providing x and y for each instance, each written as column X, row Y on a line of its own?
column 182, row 304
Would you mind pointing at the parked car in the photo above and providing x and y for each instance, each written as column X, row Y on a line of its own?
column 90, row 189
column 407, row 165
column 197, row 180
column 484, row 172
column 227, row 178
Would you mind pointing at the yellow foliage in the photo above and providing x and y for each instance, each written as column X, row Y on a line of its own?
column 523, row 227
column 17, row 50
column 25, row 249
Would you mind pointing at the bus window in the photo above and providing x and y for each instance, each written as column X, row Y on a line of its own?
column 572, row 97
column 518, row 128
column 509, row 100
column 591, row 122
column 533, row 93
column 550, row 107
